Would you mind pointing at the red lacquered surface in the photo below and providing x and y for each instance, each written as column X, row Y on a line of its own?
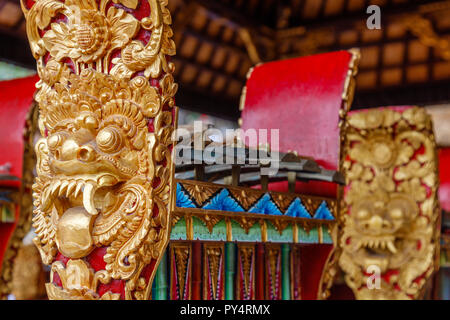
column 260, row 290
column 15, row 101
column 197, row 271
column 16, row 97
column 313, row 259
column 444, row 176
column 302, row 98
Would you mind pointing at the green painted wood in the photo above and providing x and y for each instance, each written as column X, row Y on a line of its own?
column 201, row 232
column 285, row 274
column 308, row 237
column 160, row 281
column 273, row 235
column 154, row 290
column 230, row 269
column 179, row 230
column 326, row 235
column 220, row 231
column 253, row 235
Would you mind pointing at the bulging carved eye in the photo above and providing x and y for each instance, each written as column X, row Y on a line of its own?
column 402, row 206
column 109, row 140
column 55, row 141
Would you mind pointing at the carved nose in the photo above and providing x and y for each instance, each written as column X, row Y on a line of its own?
column 376, row 223
column 86, row 154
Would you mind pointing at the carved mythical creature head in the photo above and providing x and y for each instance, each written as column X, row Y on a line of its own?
column 104, row 168
column 391, row 207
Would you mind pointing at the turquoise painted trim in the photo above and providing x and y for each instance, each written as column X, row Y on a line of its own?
column 230, row 269
column 224, row 201
column 297, row 209
column 219, row 233
column 183, row 200
column 323, row 212
column 285, row 272
column 265, row 205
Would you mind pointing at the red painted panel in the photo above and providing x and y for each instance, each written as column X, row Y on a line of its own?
column 15, row 101
column 260, row 293
column 16, row 97
column 444, row 176
column 312, row 262
column 197, row 271
column 301, row 97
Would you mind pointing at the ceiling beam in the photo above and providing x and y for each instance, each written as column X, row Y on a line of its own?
column 421, row 94
column 191, row 98
column 348, row 19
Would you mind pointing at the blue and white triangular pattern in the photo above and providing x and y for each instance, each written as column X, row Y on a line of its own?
column 224, row 202
column 297, row 210
column 323, row 212
column 183, row 200
column 265, row 205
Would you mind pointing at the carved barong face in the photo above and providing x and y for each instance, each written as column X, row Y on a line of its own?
column 104, row 167
column 391, row 207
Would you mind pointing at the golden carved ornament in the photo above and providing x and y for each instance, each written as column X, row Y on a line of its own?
column 104, row 164
column 181, row 252
column 273, row 252
column 200, row 194
column 213, row 268
column 246, row 256
column 391, row 210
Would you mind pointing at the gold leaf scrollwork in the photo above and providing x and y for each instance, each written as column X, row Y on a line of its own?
column 104, row 164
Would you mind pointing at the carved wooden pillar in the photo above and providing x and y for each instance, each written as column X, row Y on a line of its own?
column 104, row 166
column 391, row 215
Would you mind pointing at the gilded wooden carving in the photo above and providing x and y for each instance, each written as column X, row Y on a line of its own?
column 391, row 208
column 245, row 279
column 104, row 163
column 28, row 276
column 213, row 271
column 181, row 270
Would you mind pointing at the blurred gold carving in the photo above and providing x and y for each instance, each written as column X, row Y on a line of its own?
column 104, row 164
column 391, row 210
column 28, row 275
column 423, row 29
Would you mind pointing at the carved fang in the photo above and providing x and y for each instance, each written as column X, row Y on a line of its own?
column 88, row 198
column 391, row 247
